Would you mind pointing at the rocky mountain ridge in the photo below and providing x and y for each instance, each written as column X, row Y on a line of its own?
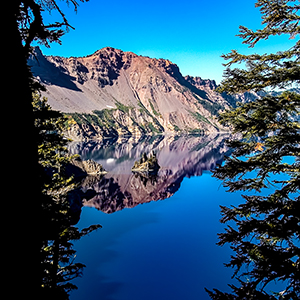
column 114, row 93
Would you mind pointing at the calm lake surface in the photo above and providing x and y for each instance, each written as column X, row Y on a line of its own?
column 158, row 239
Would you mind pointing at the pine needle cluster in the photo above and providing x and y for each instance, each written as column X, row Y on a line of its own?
column 265, row 164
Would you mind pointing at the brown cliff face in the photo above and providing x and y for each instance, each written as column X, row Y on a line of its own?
column 112, row 92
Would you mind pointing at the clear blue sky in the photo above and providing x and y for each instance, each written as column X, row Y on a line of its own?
column 193, row 34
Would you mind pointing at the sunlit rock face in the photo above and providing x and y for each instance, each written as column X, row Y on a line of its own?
column 178, row 157
column 115, row 93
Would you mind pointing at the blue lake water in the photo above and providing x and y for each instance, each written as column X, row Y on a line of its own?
column 158, row 239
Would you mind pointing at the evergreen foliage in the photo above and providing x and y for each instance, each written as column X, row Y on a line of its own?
column 264, row 231
column 47, row 187
column 56, row 253
column 146, row 164
column 32, row 26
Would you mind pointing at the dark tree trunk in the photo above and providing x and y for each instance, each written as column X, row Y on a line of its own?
column 22, row 175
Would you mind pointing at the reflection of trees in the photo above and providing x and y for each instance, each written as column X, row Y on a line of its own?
column 146, row 177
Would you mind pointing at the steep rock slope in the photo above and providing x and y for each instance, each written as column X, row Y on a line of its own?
column 111, row 93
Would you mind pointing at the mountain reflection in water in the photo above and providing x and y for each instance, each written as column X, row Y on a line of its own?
column 178, row 157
